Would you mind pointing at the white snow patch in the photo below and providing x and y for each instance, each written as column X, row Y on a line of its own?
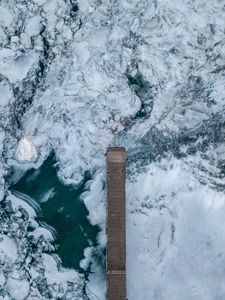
column 26, row 151
column 33, row 26
column 84, row 5
column 43, row 231
column 95, row 200
column 54, row 275
column 17, row 202
column 5, row 93
column 2, row 279
column 6, row 17
column 40, row 2
column 175, row 236
column 96, row 286
column 15, row 65
column 173, row 220
column 17, row 288
column 8, row 247
column 85, row 262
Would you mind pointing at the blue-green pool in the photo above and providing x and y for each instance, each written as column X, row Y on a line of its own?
column 62, row 209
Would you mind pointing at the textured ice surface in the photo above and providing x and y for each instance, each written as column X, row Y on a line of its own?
column 15, row 65
column 26, row 150
column 77, row 77
column 6, row 17
column 174, row 224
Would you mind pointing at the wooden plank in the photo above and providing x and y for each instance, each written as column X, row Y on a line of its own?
column 116, row 228
column 116, row 286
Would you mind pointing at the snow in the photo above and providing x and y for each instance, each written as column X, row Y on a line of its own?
column 68, row 90
column 5, row 93
column 175, row 235
column 8, row 247
column 96, row 286
column 16, row 65
column 33, row 26
column 95, row 200
column 40, row 2
column 84, row 5
column 2, row 279
column 2, row 169
column 52, row 273
column 26, row 151
column 85, row 262
column 43, row 231
column 6, row 17
column 18, row 289
column 18, row 202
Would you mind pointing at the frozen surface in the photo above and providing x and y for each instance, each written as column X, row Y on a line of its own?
column 26, row 150
column 16, row 65
column 17, row 288
column 176, row 226
column 6, row 17
column 78, row 76
column 5, row 93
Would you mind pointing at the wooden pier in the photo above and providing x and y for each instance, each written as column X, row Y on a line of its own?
column 116, row 224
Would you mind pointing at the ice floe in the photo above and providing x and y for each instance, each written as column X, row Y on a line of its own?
column 26, row 150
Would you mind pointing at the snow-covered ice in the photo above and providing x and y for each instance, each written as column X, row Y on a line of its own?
column 26, row 150
column 175, row 235
column 6, row 16
column 16, row 65
column 78, row 76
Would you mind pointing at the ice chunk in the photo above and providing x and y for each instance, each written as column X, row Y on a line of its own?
column 18, row 289
column 26, row 151
column 6, row 17
column 2, row 279
column 15, row 65
column 96, row 285
column 5, row 93
column 33, row 26
column 54, row 275
column 8, row 247
column 85, row 262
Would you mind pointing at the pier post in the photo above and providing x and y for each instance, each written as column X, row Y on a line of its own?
column 116, row 223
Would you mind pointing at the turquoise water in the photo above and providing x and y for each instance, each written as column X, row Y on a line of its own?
column 62, row 209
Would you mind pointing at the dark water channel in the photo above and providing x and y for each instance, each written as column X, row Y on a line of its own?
column 62, row 209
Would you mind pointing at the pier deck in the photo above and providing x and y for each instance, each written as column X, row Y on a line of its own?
column 116, row 224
